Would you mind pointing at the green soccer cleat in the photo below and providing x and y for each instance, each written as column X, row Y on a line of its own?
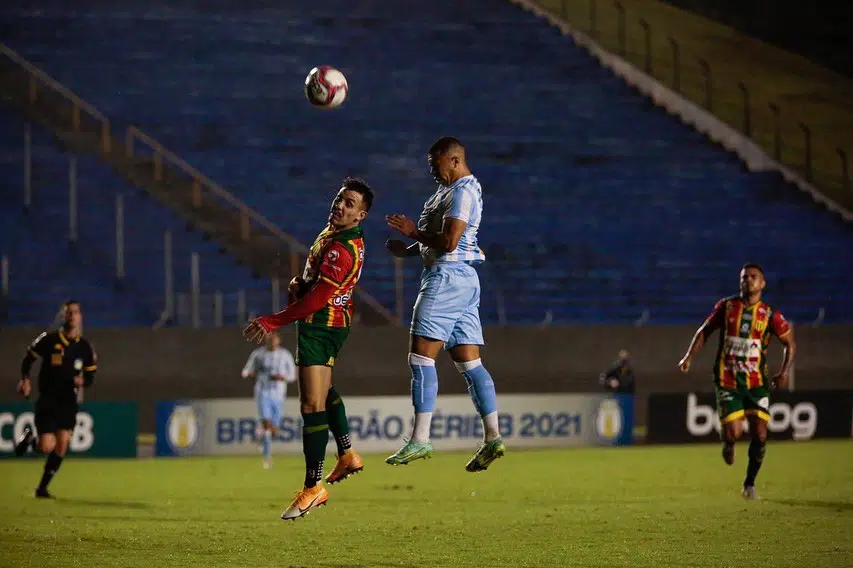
column 410, row 452
column 486, row 454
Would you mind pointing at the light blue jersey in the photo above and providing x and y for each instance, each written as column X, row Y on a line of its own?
column 270, row 393
column 448, row 304
column 462, row 200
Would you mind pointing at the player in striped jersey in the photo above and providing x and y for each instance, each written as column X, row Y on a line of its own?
column 321, row 306
column 447, row 311
column 746, row 325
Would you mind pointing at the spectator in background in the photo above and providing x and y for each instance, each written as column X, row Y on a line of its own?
column 620, row 377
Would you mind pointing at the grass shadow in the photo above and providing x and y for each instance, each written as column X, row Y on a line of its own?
column 838, row 506
column 98, row 503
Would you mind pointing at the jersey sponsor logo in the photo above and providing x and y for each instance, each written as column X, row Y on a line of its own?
column 741, row 347
column 333, row 255
column 182, row 428
column 341, row 299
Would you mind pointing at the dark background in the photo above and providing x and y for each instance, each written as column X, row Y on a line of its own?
column 819, row 30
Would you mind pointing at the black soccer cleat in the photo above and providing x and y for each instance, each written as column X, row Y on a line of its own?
column 729, row 454
column 43, row 494
column 24, row 442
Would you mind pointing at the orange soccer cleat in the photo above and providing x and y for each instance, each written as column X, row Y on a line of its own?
column 348, row 464
column 305, row 500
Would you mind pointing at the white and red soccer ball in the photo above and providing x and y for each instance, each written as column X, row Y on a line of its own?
column 326, row 87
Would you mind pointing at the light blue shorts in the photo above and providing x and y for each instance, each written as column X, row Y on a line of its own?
column 269, row 408
column 448, row 305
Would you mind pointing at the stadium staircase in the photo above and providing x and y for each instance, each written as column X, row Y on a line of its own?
column 599, row 206
column 83, row 130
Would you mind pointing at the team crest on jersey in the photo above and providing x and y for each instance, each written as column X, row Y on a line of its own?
column 333, row 255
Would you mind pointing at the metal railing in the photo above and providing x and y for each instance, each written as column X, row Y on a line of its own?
column 202, row 186
column 38, row 80
column 790, row 142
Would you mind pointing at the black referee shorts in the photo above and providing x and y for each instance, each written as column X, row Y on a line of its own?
column 53, row 415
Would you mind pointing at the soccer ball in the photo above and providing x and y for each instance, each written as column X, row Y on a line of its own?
column 326, row 87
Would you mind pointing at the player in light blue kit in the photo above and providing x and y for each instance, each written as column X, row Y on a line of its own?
column 271, row 367
column 447, row 311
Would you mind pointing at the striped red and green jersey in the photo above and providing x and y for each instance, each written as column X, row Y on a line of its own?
column 745, row 333
column 336, row 257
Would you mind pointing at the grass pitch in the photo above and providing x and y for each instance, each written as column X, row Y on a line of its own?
column 641, row 506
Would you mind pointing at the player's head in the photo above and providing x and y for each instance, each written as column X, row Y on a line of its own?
column 273, row 341
column 351, row 204
column 751, row 280
column 623, row 355
column 72, row 314
column 447, row 160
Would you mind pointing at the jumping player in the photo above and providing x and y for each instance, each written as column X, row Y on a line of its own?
column 446, row 313
column 322, row 305
column 68, row 363
column 740, row 374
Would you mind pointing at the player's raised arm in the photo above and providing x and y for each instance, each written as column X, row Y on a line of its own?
column 336, row 266
column 38, row 349
column 781, row 329
column 445, row 241
column 708, row 327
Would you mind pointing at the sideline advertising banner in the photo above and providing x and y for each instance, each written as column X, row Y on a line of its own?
column 378, row 424
column 104, row 429
column 799, row 415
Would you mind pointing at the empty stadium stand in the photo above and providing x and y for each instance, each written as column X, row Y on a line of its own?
column 599, row 207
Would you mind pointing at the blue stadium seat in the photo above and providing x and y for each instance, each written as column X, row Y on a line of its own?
column 598, row 205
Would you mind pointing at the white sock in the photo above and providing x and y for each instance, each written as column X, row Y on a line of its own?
column 420, row 433
column 490, row 427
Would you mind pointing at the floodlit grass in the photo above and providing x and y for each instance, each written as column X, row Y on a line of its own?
column 642, row 506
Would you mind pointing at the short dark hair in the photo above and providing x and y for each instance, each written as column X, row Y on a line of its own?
column 70, row 302
column 752, row 265
column 358, row 185
column 444, row 144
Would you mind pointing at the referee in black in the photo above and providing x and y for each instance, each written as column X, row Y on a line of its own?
column 68, row 363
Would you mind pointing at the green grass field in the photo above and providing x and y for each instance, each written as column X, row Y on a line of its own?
column 632, row 507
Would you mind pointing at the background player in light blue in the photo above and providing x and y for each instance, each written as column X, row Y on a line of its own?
column 271, row 367
column 447, row 311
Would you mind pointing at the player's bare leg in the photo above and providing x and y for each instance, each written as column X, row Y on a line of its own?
column 422, row 354
column 731, row 433
column 266, row 433
column 55, row 446
column 348, row 461
column 757, row 449
column 482, row 391
column 314, row 384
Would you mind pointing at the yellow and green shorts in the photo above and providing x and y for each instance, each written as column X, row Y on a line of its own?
column 318, row 345
column 734, row 404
